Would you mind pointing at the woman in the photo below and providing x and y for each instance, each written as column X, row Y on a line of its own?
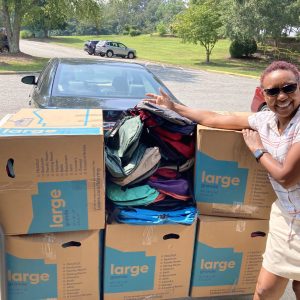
column 274, row 139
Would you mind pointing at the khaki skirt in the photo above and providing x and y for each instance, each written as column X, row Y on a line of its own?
column 282, row 254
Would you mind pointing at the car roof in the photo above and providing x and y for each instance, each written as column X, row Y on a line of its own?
column 78, row 61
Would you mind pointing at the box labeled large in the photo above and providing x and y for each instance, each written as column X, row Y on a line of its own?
column 228, row 181
column 142, row 262
column 228, row 256
column 52, row 175
column 54, row 266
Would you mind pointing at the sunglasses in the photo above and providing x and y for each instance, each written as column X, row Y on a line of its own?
column 287, row 89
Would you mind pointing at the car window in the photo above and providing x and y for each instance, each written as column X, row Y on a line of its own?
column 121, row 45
column 43, row 74
column 44, row 83
column 104, row 81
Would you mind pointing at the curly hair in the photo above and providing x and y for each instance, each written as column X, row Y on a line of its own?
column 280, row 65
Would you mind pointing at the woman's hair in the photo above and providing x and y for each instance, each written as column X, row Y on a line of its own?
column 280, row 65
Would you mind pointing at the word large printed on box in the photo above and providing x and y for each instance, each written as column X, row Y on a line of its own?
column 56, row 265
column 228, row 256
column 142, row 262
column 228, row 180
column 52, row 171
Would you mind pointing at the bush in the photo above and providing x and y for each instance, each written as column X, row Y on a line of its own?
column 161, row 29
column 134, row 32
column 240, row 48
column 250, row 47
column 26, row 34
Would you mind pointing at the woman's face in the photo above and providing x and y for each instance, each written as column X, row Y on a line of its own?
column 282, row 102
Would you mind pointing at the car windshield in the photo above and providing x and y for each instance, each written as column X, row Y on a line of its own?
column 103, row 80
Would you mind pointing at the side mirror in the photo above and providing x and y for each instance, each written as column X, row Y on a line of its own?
column 29, row 79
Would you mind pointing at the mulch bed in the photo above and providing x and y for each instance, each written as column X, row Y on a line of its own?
column 6, row 58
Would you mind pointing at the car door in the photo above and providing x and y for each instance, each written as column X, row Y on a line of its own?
column 114, row 47
column 122, row 49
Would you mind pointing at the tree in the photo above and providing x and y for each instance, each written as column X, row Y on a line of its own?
column 199, row 23
column 12, row 13
column 247, row 19
column 46, row 15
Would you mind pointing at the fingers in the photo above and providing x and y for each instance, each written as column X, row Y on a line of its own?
column 153, row 101
column 152, row 95
column 163, row 93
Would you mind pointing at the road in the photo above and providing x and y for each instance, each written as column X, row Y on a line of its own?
column 195, row 88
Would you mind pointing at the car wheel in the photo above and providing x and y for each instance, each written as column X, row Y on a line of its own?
column 109, row 53
column 102, row 54
column 130, row 55
column 264, row 107
column 90, row 52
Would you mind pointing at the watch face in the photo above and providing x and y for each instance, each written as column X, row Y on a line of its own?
column 258, row 153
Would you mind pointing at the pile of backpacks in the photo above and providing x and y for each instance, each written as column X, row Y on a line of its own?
column 149, row 157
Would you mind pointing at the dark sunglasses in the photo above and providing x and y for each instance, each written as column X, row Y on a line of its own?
column 287, row 89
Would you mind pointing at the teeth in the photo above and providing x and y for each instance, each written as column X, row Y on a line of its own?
column 283, row 105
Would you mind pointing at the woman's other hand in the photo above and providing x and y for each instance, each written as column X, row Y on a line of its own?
column 163, row 99
column 252, row 139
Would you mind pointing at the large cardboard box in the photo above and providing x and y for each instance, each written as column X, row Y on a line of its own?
column 54, row 266
column 52, row 175
column 228, row 181
column 228, row 256
column 142, row 262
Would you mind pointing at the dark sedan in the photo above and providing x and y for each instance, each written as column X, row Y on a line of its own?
column 90, row 46
column 88, row 83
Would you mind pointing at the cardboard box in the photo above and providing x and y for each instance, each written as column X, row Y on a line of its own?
column 142, row 262
column 228, row 181
column 52, row 176
column 57, row 265
column 228, row 256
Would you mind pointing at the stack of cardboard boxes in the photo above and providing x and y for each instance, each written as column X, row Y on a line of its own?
column 234, row 198
column 52, row 209
column 52, row 203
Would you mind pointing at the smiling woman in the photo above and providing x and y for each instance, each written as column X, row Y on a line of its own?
column 274, row 139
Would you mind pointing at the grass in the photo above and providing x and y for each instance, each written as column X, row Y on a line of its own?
column 170, row 50
column 153, row 48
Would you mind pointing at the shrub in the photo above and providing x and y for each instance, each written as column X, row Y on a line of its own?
column 250, row 47
column 236, row 49
column 26, row 34
column 161, row 28
column 240, row 48
column 134, row 32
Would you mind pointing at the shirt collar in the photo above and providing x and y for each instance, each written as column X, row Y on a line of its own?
column 273, row 120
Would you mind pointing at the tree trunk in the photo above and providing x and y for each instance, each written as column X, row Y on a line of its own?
column 207, row 56
column 45, row 33
column 12, row 23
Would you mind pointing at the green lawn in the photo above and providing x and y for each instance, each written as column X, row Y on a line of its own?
column 152, row 48
column 170, row 50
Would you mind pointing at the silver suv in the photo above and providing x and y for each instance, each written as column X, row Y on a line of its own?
column 110, row 48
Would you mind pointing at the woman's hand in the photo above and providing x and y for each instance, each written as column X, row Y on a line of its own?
column 163, row 99
column 252, row 139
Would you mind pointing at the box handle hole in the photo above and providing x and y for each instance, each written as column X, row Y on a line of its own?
column 258, row 233
column 71, row 244
column 171, row 236
column 10, row 168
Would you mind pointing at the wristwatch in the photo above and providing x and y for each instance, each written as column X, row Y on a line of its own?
column 258, row 153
